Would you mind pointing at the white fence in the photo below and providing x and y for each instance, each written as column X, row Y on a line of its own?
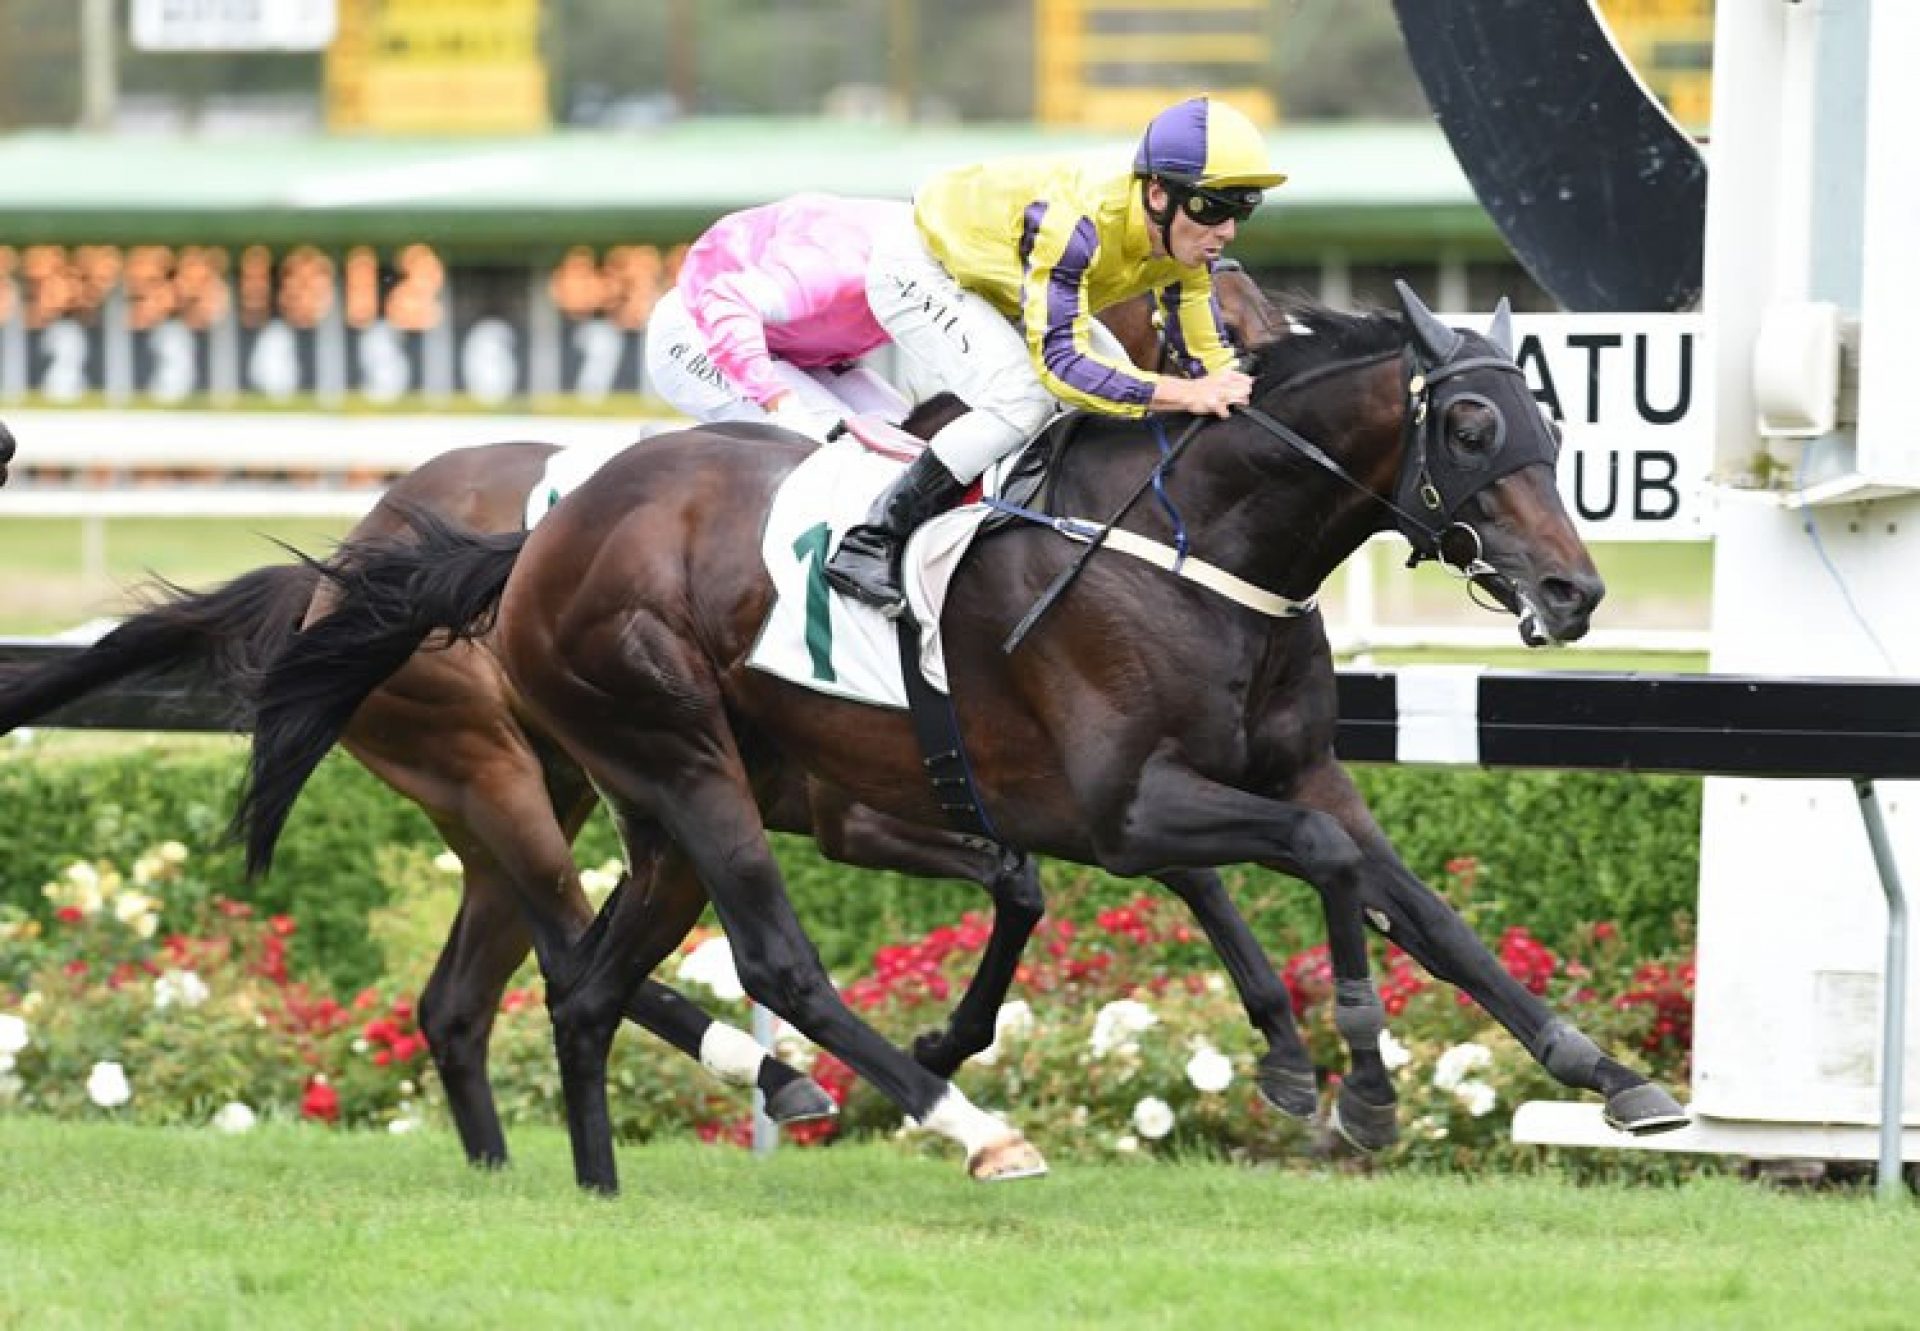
column 99, row 466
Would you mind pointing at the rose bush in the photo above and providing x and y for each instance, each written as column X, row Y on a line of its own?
column 150, row 996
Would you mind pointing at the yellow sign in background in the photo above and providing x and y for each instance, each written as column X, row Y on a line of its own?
column 1670, row 43
column 1110, row 64
column 437, row 67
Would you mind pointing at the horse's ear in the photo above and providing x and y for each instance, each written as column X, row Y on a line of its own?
column 1436, row 341
column 1500, row 331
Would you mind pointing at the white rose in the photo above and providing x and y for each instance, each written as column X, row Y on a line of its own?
column 1209, row 1070
column 14, row 1035
column 1153, row 1118
column 233, row 1118
column 1477, row 1096
column 183, row 987
column 1394, row 1054
column 1459, row 1063
column 1116, row 1023
column 107, row 1085
column 1012, row 1022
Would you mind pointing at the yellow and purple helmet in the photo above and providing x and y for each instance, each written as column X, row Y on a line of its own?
column 1204, row 144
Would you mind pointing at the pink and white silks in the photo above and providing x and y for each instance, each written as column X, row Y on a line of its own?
column 770, row 302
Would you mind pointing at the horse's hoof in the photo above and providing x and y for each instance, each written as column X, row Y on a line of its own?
column 1644, row 1110
column 1009, row 1158
column 1364, row 1127
column 935, row 1052
column 1290, row 1090
column 800, row 1101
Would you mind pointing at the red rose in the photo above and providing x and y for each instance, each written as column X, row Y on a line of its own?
column 321, row 1102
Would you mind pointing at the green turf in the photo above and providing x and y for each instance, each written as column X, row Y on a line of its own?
column 292, row 1227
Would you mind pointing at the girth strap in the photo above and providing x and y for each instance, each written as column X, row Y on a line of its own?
column 937, row 729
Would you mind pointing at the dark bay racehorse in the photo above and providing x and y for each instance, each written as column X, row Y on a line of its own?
column 1147, row 725
column 444, row 731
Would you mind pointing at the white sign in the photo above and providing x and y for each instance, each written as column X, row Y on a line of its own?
column 233, row 25
column 1633, row 394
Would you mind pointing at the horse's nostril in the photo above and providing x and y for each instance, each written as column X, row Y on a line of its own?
column 1570, row 595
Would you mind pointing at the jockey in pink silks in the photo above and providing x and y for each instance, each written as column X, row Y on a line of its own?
column 769, row 315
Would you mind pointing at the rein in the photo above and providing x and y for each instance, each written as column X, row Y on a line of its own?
column 1095, row 540
column 1415, row 481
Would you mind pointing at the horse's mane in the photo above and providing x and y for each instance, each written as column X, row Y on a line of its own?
column 1319, row 335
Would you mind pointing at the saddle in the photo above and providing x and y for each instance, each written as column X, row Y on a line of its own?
column 1026, row 478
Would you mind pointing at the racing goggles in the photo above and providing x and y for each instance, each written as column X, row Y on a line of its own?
column 1211, row 207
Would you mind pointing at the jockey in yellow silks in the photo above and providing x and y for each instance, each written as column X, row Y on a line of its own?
column 993, row 290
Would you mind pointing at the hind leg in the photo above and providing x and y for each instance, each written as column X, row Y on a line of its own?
column 854, row 834
column 705, row 805
column 494, row 804
column 488, row 941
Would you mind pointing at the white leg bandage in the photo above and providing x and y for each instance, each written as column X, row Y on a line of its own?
column 731, row 1055
column 956, row 1119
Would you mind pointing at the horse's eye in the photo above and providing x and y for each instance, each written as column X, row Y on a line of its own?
column 1474, row 428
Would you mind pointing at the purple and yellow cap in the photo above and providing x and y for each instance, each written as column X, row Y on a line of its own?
column 1208, row 144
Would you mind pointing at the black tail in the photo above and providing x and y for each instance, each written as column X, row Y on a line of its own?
column 393, row 593
column 222, row 638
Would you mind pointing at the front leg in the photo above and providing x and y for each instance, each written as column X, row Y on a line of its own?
column 1178, row 818
column 1285, row 1077
column 1420, row 921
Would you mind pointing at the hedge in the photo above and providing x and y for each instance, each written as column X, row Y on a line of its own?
column 1555, row 851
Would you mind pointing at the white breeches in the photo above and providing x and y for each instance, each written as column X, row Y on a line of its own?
column 961, row 342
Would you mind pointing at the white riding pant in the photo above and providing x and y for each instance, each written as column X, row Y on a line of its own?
column 680, row 371
column 960, row 341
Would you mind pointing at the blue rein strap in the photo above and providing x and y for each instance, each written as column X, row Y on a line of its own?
column 1160, row 492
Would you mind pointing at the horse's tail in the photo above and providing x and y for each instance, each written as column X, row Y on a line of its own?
column 391, row 594
column 224, row 637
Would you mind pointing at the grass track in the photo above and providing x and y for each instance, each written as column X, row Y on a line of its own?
column 290, row 1227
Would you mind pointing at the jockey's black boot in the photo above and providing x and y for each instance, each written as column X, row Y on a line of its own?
column 866, row 566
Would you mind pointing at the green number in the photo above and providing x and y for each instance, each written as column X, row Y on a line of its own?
column 811, row 549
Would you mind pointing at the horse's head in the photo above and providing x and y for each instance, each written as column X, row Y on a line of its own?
column 1434, row 432
column 1250, row 317
column 1476, row 487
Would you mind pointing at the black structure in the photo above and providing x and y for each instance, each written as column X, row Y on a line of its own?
column 1726, row 725
column 1599, row 194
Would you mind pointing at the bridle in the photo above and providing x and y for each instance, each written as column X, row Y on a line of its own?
column 1430, row 488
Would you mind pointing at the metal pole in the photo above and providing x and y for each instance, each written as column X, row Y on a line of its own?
column 1893, row 1021
column 903, row 57
column 99, row 64
column 766, row 1134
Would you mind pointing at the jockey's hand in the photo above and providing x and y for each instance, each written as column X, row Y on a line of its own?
column 1215, row 395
